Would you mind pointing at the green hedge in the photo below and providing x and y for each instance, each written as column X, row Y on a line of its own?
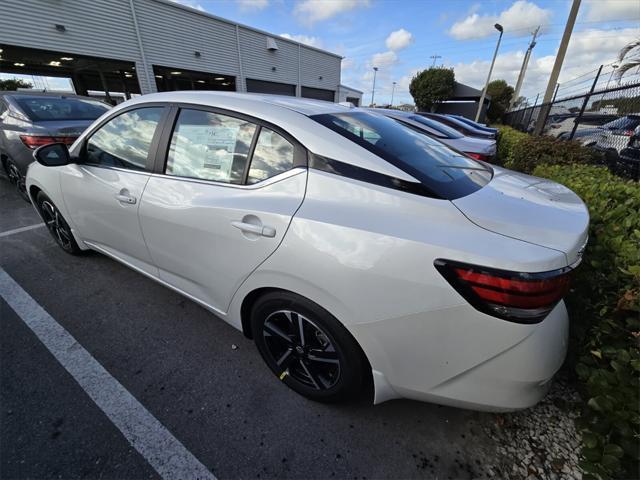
column 523, row 152
column 604, row 302
column 507, row 139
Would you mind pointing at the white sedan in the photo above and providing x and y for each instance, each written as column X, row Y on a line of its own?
column 347, row 246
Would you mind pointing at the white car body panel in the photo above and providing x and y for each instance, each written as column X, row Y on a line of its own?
column 530, row 209
column 210, row 259
column 363, row 252
column 89, row 194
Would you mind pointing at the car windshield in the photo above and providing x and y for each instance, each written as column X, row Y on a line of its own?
column 446, row 173
column 40, row 108
column 440, row 127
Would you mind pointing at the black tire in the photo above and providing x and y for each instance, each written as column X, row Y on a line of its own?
column 57, row 225
column 325, row 365
column 16, row 177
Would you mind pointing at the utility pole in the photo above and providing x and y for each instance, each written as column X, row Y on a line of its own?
column 393, row 89
column 523, row 69
column 435, row 57
column 557, row 66
column 373, row 90
column 498, row 27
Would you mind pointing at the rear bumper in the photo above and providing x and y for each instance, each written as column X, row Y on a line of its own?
column 517, row 376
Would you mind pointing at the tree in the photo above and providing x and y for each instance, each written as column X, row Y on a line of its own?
column 14, row 84
column 629, row 58
column 432, row 86
column 500, row 94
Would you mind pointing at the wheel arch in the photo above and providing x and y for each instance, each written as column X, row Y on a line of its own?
column 252, row 296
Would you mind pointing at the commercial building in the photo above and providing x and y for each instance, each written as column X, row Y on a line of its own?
column 348, row 94
column 464, row 101
column 144, row 46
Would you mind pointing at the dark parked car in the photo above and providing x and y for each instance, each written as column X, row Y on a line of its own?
column 471, row 123
column 460, row 126
column 629, row 159
column 31, row 119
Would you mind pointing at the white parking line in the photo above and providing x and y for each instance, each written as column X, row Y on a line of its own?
column 21, row 229
column 144, row 432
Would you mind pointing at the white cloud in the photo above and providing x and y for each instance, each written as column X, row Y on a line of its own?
column 399, row 39
column 384, row 59
column 516, row 20
column 602, row 10
column 190, row 3
column 306, row 39
column 348, row 63
column 312, row 11
column 252, row 5
column 587, row 50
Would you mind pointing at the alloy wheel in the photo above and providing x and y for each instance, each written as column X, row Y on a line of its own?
column 16, row 178
column 301, row 349
column 56, row 225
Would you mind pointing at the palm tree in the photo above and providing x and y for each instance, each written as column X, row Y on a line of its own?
column 628, row 58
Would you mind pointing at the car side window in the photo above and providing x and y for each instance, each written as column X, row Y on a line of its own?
column 272, row 155
column 124, row 141
column 210, row 146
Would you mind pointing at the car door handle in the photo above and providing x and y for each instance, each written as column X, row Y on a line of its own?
column 123, row 198
column 255, row 229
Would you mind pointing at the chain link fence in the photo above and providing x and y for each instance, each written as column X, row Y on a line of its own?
column 605, row 119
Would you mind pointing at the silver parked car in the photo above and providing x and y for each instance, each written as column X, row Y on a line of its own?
column 350, row 248
column 478, row 148
column 614, row 136
column 31, row 119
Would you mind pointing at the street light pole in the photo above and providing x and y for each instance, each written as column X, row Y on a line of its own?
column 611, row 76
column 557, row 66
column 373, row 90
column 393, row 89
column 495, row 54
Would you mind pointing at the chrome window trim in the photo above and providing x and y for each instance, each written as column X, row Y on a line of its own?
column 255, row 186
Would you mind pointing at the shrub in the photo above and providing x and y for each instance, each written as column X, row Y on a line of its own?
column 605, row 307
column 529, row 152
column 507, row 138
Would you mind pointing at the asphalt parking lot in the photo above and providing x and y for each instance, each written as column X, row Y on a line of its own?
column 177, row 361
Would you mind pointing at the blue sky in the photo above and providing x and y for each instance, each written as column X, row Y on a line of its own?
column 400, row 36
column 460, row 31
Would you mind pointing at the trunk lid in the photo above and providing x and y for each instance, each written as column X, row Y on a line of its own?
column 531, row 209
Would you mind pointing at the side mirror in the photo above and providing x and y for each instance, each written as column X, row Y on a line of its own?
column 53, row 155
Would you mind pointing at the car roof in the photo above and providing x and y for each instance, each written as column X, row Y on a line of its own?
column 36, row 93
column 305, row 106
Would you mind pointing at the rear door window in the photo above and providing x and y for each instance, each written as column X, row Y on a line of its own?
column 445, row 173
column 210, row 146
column 273, row 155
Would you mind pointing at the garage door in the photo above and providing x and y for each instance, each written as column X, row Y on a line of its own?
column 318, row 93
column 262, row 86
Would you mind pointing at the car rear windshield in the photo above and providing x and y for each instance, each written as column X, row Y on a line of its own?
column 60, row 108
column 446, row 173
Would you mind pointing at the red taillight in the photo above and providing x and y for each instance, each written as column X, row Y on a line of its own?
column 477, row 156
column 515, row 296
column 627, row 133
column 35, row 141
